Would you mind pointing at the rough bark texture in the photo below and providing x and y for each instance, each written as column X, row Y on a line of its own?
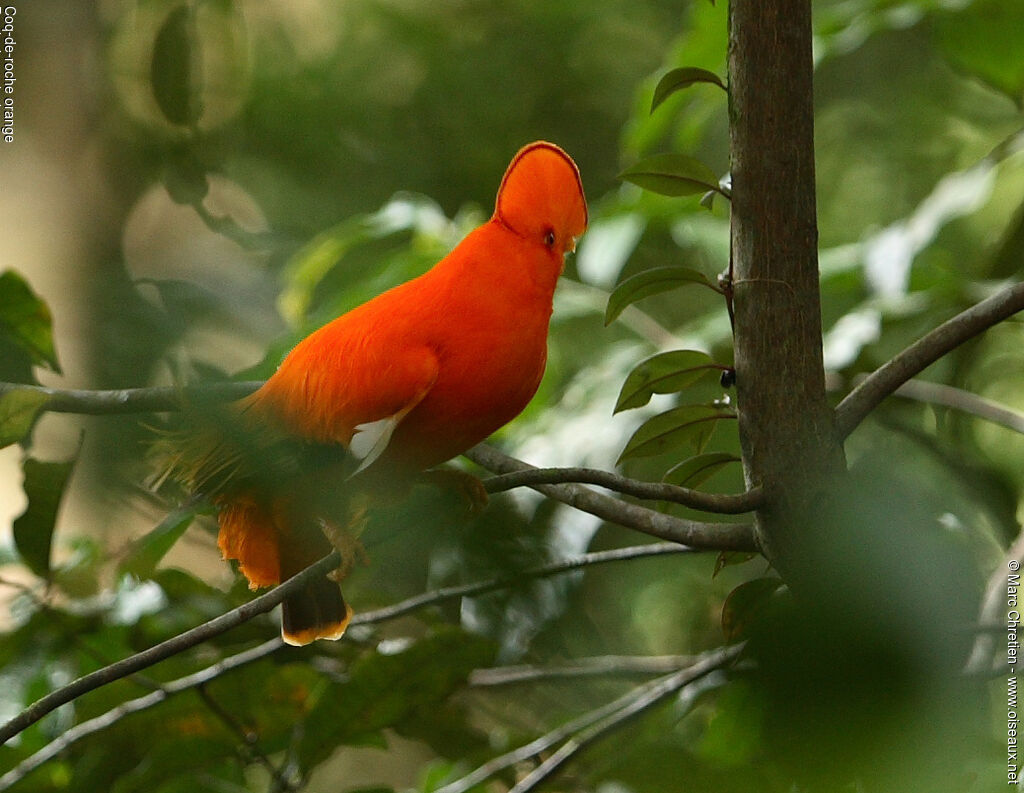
column 786, row 426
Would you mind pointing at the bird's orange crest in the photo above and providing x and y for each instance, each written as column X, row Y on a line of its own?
column 541, row 194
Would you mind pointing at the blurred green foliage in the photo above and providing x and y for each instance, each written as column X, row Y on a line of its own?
column 272, row 165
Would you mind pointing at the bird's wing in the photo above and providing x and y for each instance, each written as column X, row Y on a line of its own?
column 355, row 400
column 398, row 389
column 371, row 439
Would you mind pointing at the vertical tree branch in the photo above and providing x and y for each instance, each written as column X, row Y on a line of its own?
column 786, row 425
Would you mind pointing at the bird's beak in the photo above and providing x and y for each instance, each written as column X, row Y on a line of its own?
column 572, row 245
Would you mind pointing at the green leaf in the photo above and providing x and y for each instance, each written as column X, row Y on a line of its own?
column 174, row 70
column 689, row 424
column 33, row 530
column 18, row 410
column 83, row 568
column 385, row 690
column 666, row 373
column 733, row 736
column 697, row 470
column 172, row 759
column 147, row 552
column 744, row 604
column 650, row 282
column 730, row 558
column 26, row 320
column 436, row 774
column 288, row 686
column 984, row 39
column 678, row 79
column 308, row 267
column 672, row 175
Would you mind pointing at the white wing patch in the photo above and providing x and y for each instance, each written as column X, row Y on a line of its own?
column 371, row 439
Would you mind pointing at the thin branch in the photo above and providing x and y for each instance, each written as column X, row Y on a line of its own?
column 415, row 603
column 603, row 666
column 719, row 536
column 924, row 352
column 696, row 534
column 114, row 715
column 131, row 400
column 964, row 401
column 849, row 413
column 660, row 689
column 166, row 649
column 725, row 504
column 482, row 587
column 163, row 399
column 166, row 398
column 541, row 744
column 40, row 603
column 249, row 751
column 946, row 396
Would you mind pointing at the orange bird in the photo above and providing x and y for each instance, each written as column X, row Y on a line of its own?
column 406, row 381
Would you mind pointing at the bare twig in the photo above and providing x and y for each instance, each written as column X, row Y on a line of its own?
column 114, row 715
column 131, row 400
column 849, row 413
column 163, row 399
column 483, row 587
column 603, row 666
column 166, row 649
column 697, row 534
column 407, row 606
column 946, row 396
column 726, row 504
column 596, row 722
column 924, row 352
column 964, row 401
column 720, row 536
column 251, row 751
column 658, row 691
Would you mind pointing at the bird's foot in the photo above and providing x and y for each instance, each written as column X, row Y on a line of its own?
column 468, row 488
column 348, row 545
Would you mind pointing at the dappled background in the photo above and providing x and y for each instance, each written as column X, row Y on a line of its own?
column 192, row 192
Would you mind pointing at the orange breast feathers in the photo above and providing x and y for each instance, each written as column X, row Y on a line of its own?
column 424, row 371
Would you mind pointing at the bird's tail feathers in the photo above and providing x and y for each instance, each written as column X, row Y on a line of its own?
column 317, row 611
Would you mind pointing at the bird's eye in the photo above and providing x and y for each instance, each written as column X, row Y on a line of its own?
column 549, row 238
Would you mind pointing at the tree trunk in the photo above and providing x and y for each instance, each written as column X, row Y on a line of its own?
column 786, row 425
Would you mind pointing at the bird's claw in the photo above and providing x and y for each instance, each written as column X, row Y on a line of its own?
column 470, row 489
column 348, row 545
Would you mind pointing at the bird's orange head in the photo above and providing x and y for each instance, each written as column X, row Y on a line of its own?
column 541, row 197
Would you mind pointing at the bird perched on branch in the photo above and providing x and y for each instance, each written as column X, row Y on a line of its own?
column 404, row 382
